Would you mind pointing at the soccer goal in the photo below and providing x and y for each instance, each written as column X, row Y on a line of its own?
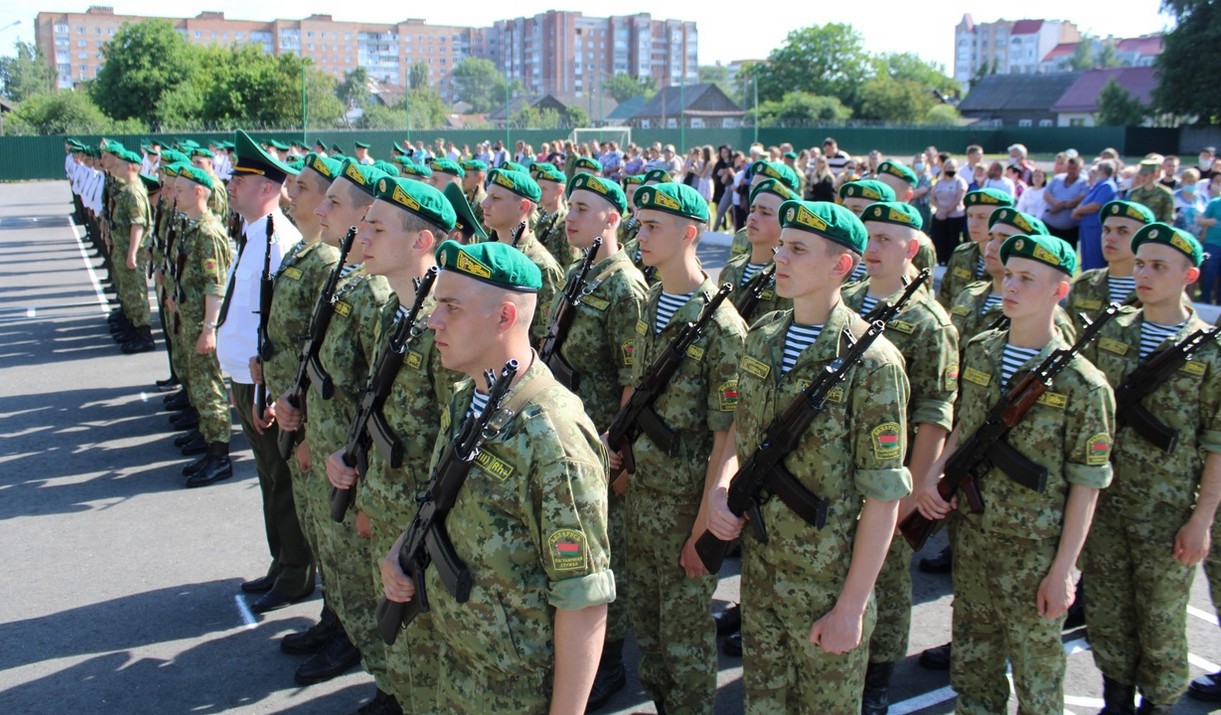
column 621, row 135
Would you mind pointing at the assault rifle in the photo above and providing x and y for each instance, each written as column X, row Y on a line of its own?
column 426, row 541
column 263, row 344
column 987, row 447
column 565, row 311
column 749, row 296
column 1146, row 378
column 369, row 425
column 637, row 415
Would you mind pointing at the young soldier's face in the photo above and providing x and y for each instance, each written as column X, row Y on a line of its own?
column 588, row 217
column 306, row 191
column 551, row 191
column 463, row 322
column 471, row 180
column 502, row 208
column 386, row 247
column 992, row 249
column 662, row 236
column 857, row 205
column 808, row 264
column 763, row 224
column 890, row 249
column 1117, row 238
column 977, row 223
column 1031, row 288
column 339, row 211
column 1162, row 273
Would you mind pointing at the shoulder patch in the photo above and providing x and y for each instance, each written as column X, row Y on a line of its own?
column 960, row 310
column 982, row 379
column 1087, row 304
column 728, row 393
column 1194, row 368
column 493, row 465
column 414, row 359
column 758, row 368
column 902, row 326
column 566, row 548
column 641, row 328
column 696, row 353
column 595, row 302
column 951, row 377
column 627, row 348
column 1113, row 346
column 343, row 308
column 1098, row 450
column 1054, row 400
column 887, row 440
column 962, row 273
column 292, row 274
column 209, row 265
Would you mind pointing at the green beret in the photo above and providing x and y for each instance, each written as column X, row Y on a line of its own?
column 365, row 177
column 188, row 144
column 514, row 166
column 410, row 168
column 658, row 176
column 386, row 167
column 899, row 171
column 173, row 156
column 398, row 149
column 1050, row 250
column 588, row 164
column 201, row 151
column 1177, row 239
column 252, row 159
column 296, row 164
column 677, row 199
column 361, row 145
column 151, row 183
column 335, row 149
column 465, row 220
column 474, row 165
column 988, row 197
column 831, row 221
column 199, row 176
column 790, row 155
column 326, row 167
column 519, row 182
column 491, row 262
column 279, row 145
column 129, row 156
column 1023, row 222
column 418, row 198
column 296, row 143
column 1128, row 209
column 339, row 156
column 895, row 212
column 774, row 170
column 634, row 180
column 169, row 170
column 112, row 147
column 871, row 189
column 447, row 166
column 774, row 187
column 543, row 171
column 605, row 188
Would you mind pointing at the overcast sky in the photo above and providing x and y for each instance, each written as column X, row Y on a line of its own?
column 725, row 35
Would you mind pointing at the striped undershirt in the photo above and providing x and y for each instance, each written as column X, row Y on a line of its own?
column 478, row 402
column 797, row 339
column 751, row 270
column 667, row 305
column 868, row 303
column 638, row 254
column 859, row 272
column 1120, row 287
column 1012, row 359
column 1154, row 334
column 348, row 269
column 979, row 267
column 990, row 302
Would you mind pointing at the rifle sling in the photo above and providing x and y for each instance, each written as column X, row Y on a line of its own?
column 804, row 503
column 569, row 376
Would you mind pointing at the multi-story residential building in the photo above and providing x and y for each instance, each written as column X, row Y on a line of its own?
column 1006, row 46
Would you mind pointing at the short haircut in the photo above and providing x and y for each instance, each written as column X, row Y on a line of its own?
column 414, row 223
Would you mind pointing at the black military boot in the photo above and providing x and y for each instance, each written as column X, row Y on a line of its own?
column 610, row 678
column 195, row 445
column 382, row 704
column 185, row 437
column 876, row 698
column 1206, row 688
column 194, row 467
column 1118, row 699
column 177, row 401
column 338, row 657
column 1148, row 708
column 316, row 637
column 185, row 420
column 217, row 467
column 142, row 343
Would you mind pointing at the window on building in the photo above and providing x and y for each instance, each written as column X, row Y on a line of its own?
column 81, row 43
column 1077, row 122
column 309, row 34
column 311, row 47
column 61, row 29
column 213, row 35
column 82, row 55
column 1046, row 123
column 110, row 32
column 97, row 30
column 80, row 30
column 198, row 34
column 1025, row 123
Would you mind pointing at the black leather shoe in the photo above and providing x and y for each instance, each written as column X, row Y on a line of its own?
column 729, row 620
column 338, row 657
column 259, row 585
column 182, row 439
column 274, row 600
column 382, row 704
column 169, row 384
column 732, row 646
column 178, row 401
column 143, row 343
column 1206, row 688
column 185, row 421
column 194, row 467
column 215, row 470
column 943, row 562
column 607, row 682
column 936, row 658
column 195, row 445
column 311, row 640
column 125, row 335
column 1076, row 616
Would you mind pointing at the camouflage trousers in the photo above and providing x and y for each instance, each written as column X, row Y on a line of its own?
column 465, row 689
column 1137, row 608
column 131, row 286
column 996, row 618
column 782, row 671
column 204, row 384
column 616, row 527
column 306, row 501
column 893, row 593
column 412, row 662
column 1212, row 567
column 670, row 613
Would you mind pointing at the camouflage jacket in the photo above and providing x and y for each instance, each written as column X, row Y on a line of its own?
column 303, row 271
column 732, row 273
column 1156, row 198
column 551, row 233
column 553, row 281
column 205, row 259
column 628, row 228
column 530, row 523
column 632, row 248
column 700, row 398
column 130, row 209
column 1150, row 483
column 852, row 450
column 218, row 202
column 602, row 336
column 1069, row 432
column 960, row 271
column 970, row 319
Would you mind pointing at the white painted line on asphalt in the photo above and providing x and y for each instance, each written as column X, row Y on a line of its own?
column 1205, row 665
column 1203, row 615
column 920, row 702
column 1082, row 702
column 97, row 285
column 247, row 616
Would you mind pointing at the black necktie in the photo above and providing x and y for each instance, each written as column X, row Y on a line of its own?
column 224, row 306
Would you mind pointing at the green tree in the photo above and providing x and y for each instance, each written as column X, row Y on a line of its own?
column 623, row 86
column 827, row 60
column 1187, row 72
column 1108, row 58
column 942, row 115
column 892, row 100
column 353, row 91
column 478, row 83
column 797, row 109
column 576, row 116
column 417, row 76
column 66, row 112
column 908, row 67
column 535, row 118
column 1118, row 108
column 325, row 109
column 143, row 62
column 26, row 73
column 1083, row 55
column 719, row 75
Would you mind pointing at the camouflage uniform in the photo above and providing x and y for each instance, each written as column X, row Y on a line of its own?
column 960, row 271
column 669, row 612
column 476, row 202
column 551, row 233
column 131, row 209
column 1137, row 609
column 388, row 496
column 923, row 334
column 205, row 259
column 346, row 354
column 628, row 228
column 1156, row 198
column 926, row 255
column 732, row 273
column 1002, row 555
column 1090, row 294
column 796, row 577
column 218, row 201
column 599, row 347
column 632, row 248
column 740, row 245
column 970, row 319
column 530, row 523
column 553, row 280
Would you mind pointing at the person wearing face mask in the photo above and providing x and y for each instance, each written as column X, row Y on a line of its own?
column 924, row 184
column 1189, row 203
column 1208, row 156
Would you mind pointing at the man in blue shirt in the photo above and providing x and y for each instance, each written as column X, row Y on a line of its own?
column 1102, row 192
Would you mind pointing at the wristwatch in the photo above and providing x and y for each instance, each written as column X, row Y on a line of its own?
column 209, row 326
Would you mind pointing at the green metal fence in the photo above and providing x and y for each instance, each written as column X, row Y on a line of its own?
column 30, row 158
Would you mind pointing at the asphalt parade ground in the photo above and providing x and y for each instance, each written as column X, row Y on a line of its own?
column 119, row 589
